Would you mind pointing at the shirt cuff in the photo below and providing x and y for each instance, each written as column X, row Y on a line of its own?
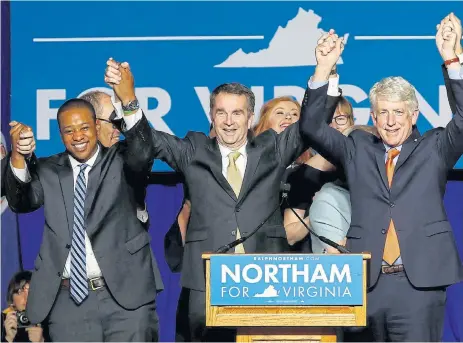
column 22, row 174
column 117, row 107
column 130, row 120
column 316, row 85
column 456, row 74
column 142, row 215
column 333, row 86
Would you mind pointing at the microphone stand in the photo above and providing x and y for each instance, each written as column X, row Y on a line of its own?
column 225, row 248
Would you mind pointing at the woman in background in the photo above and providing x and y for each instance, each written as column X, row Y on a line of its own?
column 308, row 173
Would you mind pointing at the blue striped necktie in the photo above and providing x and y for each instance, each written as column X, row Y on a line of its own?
column 79, row 284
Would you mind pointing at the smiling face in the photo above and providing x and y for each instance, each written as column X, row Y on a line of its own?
column 394, row 109
column 78, row 132
column 394, row 121
column 231, row 119
column 283, row 115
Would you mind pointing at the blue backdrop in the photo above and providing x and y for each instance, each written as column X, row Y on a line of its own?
column 180, row 51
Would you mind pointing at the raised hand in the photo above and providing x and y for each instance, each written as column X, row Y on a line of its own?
column 120, row 78
column 446, row 38
column 112, row 74
column 23, row 143
column 10, row 326
column 329, row 49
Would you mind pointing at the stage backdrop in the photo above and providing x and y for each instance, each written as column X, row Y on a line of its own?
column 180, row 51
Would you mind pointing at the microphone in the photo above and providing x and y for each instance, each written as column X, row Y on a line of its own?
column 322, row 238
column 284, row 188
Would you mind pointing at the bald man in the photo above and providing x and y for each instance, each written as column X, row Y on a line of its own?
column 107, row 132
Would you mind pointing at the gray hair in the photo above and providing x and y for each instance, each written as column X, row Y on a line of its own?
column 394, row 88
column 237, row 89
column 95, row 97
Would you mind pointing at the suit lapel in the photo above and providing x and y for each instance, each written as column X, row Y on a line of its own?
column 407, row 148
column 66, row 180
column 215, row 165
column 94, row 181
column 380, row 152
column 254, row 153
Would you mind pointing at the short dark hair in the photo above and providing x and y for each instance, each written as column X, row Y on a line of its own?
column 17, row 282
column 94, row 97
column 237, row 89
column 76, row 103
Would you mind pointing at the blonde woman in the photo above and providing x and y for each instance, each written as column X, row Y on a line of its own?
column 307, row 174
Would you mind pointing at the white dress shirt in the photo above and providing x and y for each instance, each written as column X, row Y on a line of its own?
column 241, row 161
column 93, row 270
column 389, row 148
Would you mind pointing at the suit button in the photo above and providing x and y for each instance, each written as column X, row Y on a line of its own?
column 233, row 233
column 59, row 274
column 238, row 209
column 383, row 231
column 392, row 204
column 68, row 246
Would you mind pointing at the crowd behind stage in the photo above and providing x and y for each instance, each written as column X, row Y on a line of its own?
column 96, row 278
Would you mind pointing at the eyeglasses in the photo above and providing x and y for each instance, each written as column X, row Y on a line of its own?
column 107, row 121
column 22, row 290
column 342, row 119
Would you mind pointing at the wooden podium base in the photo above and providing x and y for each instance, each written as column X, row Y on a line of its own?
column 285, row 334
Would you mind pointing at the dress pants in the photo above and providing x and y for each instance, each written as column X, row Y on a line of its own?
column 190, row 323
column 99, row 318
column 399, row 312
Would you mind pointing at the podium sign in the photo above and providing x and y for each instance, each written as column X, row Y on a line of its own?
column 286, row 280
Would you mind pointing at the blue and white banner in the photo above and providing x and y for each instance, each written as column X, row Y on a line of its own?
column 180, row 51
column 275, row 280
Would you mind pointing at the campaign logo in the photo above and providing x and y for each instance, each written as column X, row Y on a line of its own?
column 271, row 280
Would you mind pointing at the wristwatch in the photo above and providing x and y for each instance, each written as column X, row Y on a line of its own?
column 131, row 106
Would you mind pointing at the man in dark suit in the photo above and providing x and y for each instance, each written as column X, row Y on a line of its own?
column 397, row 184
column 93, row 278
column 108, row 128
column 233, row 182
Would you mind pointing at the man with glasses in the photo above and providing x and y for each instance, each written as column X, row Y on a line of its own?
column 108, row 133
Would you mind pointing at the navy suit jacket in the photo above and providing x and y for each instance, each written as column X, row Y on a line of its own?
column 415, row 200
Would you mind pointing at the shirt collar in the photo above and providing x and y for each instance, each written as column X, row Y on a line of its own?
column 90, row 162
column 224, row 151
column 389, row 147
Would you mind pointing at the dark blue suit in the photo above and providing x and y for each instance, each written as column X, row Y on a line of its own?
column 415, row 204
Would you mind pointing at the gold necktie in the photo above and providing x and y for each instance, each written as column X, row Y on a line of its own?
column 235, row 180
column 391, row 248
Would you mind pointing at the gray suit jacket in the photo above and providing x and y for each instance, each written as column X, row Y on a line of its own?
column 415, row 201
column 119, row 240
column 216, row 211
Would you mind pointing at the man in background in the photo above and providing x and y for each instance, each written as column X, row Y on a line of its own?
column 107, row 132
column 108, row 113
